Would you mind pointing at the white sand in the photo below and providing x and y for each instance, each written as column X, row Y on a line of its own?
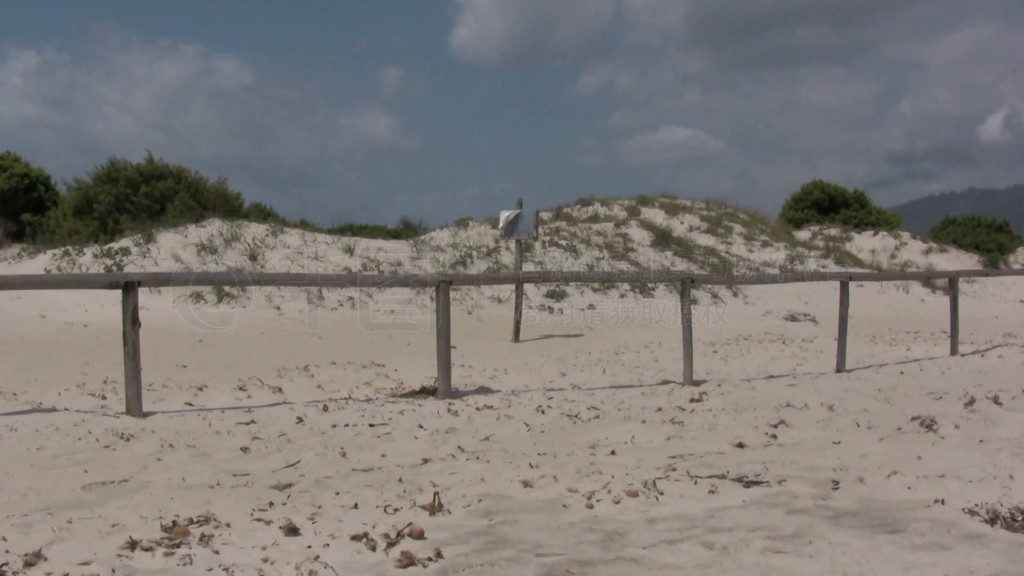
column 588, row 404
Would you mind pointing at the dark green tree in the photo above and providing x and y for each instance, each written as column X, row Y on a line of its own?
column 121, row 197
column 991, row 238
column 27, row 194
column 820, row 202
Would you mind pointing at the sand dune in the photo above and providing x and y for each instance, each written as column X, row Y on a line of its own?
column 573, row 452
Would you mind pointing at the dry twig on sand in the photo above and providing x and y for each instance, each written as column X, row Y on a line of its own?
column 741, row 479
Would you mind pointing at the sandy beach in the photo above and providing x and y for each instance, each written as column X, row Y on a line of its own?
column 575, row 451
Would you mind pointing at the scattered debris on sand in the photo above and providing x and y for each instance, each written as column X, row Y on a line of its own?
column 435, row 506
column 290, row 529
column 177, row 534
column 800, row 317
column 1010, row 519
column 406, row 558
column 744, row 480
column 425, row 391
column 33, row 558
column 929, row 423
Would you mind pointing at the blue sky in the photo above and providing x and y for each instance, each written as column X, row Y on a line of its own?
column 367, row 111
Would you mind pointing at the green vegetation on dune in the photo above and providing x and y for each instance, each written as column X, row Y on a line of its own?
column 406, row 229
column 820, row 202
column 707, row 257
column 740, row 234
column 27, row 194
column 121, row 198
column 991, row 238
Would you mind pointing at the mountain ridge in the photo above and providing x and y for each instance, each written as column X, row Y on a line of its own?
column 921, row 214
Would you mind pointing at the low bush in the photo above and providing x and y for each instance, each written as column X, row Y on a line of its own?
column 27, row 194
column 991, row 238
column 819, row 202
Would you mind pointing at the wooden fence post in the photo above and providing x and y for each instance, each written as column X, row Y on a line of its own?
column 954, row 316
column 131, row 327
column 844, row 322
column 444, row 339
column 686, row 310
column 517, row 321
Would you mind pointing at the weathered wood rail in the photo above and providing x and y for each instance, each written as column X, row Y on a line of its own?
column 129, row 284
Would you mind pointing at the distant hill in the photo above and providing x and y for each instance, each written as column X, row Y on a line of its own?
column 922, row 214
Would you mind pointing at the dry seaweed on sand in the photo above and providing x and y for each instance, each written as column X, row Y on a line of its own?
column 177, row 534
column 408, row 559
column 742, row 479
column 1010, row 519
column 290, row 529
column 698, row 398
column 929, row 423
column 425, row 391
column 369, row 541
column 33, row 558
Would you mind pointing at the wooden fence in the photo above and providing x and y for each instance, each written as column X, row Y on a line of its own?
column 129, row 284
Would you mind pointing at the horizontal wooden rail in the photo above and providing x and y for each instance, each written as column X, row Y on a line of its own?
column 129, row 284
column 116, row 281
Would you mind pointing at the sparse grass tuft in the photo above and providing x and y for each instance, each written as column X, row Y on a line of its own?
column 350, row 245
column 556, row 294
column 706, row 257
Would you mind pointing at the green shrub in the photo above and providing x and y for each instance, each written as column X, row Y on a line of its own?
column 992, row 238
column 821, row 202
column 121, row 197
column 262, row 213
column 27, row 194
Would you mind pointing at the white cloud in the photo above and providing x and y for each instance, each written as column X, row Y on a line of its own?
column 1002, row 126
column 390, row 80
column 750, row 34
column 803, row 88
column 374, row 126
column 653, row 20
column 666, row 144
column 495, row 32
column 208, row 110
column 613, row 76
